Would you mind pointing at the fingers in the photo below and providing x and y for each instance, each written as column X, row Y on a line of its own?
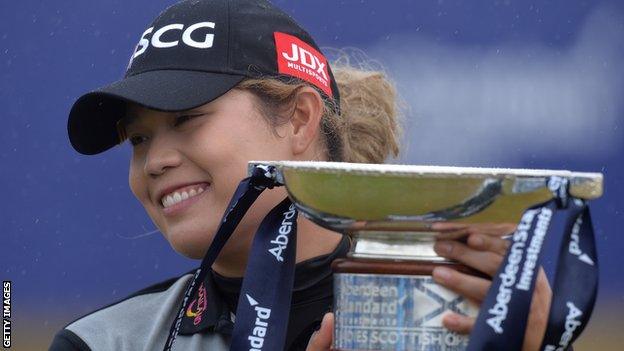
column 496, row 229
column 458, row 323
column 321, row 340
column 488, row 243
column 484, row 251
column 455, row 230
column 474, row 288
column 450, row 231
column 448, row 226
column 484, row 261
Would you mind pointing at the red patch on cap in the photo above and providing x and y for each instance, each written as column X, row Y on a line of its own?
column 298, row 59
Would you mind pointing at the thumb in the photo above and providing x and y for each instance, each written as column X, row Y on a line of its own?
column 321, row 340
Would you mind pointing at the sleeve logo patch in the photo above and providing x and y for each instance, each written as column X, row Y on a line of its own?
column 298, row 59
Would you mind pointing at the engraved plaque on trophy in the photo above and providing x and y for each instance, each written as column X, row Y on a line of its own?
column 384, row 295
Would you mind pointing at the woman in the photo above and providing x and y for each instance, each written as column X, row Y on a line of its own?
column 210, row 86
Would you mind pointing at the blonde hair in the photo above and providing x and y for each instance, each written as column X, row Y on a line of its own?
column 367, row 130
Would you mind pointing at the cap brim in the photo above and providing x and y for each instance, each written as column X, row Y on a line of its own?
column 92, row 123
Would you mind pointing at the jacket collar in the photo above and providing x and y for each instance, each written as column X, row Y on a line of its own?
column 207, row 311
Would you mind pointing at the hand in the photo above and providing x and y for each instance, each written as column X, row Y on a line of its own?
column 484, row 251
column 321, row 340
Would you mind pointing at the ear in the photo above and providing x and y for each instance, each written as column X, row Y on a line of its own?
column 305, row 121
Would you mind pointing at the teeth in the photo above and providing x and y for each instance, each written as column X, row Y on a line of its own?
column 177, row 197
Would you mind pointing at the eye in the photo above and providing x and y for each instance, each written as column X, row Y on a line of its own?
column 136, row 139
column 179, row 120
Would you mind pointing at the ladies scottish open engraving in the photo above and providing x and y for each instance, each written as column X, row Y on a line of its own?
column 384, row 295
column 395, row 312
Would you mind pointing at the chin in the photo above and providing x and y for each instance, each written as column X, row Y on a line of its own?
column 191, row 244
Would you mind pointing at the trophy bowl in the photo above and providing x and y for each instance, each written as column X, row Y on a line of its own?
column 384, row 295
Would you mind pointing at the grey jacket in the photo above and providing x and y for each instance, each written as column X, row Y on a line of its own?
column 125, row 325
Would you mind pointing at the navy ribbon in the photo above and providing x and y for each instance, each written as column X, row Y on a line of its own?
column 264, row 301
column 502, row 320
column 264, row 304
column 576, row 282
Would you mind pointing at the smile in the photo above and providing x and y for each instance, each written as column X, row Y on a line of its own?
column 182, row 194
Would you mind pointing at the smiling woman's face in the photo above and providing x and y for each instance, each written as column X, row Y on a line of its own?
column 186, row 166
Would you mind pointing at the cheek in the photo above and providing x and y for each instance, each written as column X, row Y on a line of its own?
column 225, row 166
column 223, row 148
column 138, row 186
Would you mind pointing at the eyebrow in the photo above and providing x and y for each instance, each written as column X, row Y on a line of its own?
column 122, row 124
column 128, row 119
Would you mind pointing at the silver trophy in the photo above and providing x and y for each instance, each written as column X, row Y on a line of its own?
column 384, row 295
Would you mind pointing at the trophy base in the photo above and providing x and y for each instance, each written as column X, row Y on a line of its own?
column 395, row 305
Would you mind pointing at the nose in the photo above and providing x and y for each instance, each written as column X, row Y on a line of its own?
column 161, row 156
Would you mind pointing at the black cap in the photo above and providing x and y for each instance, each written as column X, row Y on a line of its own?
column 194, row 52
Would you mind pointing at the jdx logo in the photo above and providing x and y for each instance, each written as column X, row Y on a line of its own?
column 256, row 339
column 306, row 58
column 298, row 58
column 187, row 37
column 281, row 241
